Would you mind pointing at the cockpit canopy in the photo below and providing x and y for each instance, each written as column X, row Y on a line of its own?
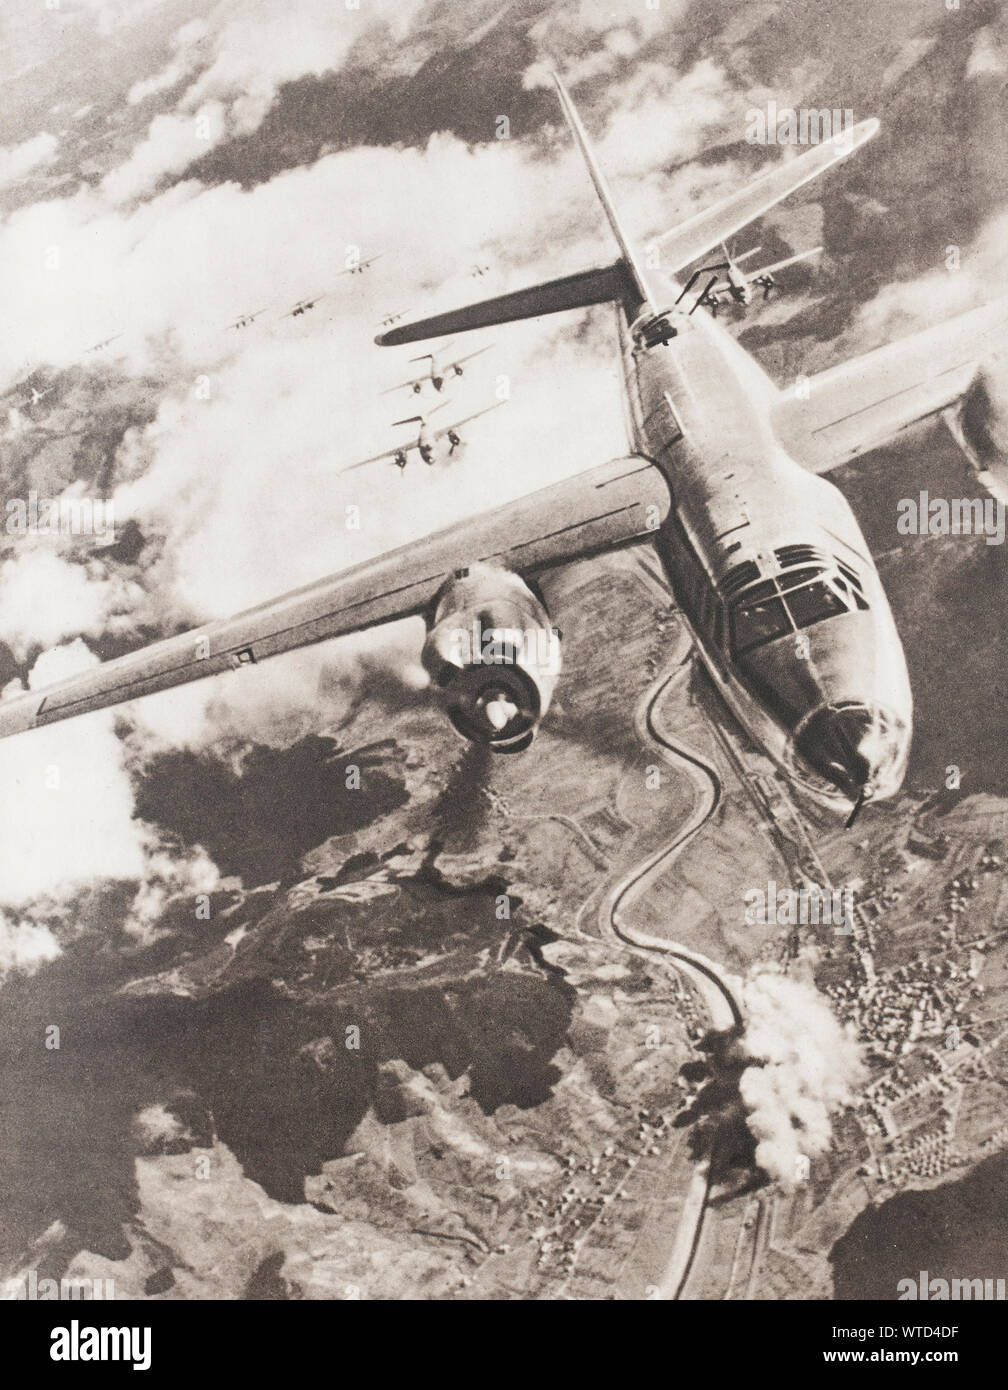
column 810, row 587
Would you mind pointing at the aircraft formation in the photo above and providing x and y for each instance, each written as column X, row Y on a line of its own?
column 723, row 481
column 309, row 302
column 440, row 364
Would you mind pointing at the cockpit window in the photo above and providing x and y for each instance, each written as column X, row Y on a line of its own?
column 755, row 621
column 806, row 594
column 793, row 578
column 814, row 602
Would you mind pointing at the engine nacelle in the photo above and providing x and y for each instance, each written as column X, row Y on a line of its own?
column 492, row 650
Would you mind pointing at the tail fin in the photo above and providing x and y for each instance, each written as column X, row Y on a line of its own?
column 634, row 264
column 421, row 419
column 627, row 280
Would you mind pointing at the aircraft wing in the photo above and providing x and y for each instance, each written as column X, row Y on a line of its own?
column 362, row 265
column 246, row 318
column 716, row 224
column 401, row 385
column 619, row 502
column 470, row 355
column 457, row 424
column 859, row 404
column 780, row 265
column 377, row 458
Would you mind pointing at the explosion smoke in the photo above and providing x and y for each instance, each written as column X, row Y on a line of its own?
column 807, row 1067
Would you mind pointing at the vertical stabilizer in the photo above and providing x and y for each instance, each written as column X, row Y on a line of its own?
column 632, row 258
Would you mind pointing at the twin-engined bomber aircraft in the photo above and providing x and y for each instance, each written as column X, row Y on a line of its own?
column 440, row 366
column 427, row 439
column 303, row 305
column 246, row 320
column 737, row 285
column 767, row 562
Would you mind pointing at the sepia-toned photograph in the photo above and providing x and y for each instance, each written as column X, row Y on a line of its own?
column 503, row 790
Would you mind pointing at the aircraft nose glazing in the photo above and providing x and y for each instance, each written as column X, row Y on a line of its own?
column 854, row 746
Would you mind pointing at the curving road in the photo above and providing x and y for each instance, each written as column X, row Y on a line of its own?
column 717, row 989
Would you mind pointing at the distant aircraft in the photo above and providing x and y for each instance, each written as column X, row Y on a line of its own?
column 97, row 347
column 427, row 439
column 479, row 271
column 438, row 370
column 771, row 573
column 391, row 319
column 37, row 395
column 34, row 393
column 303, row 305
column 245, row 320
column 360, row 266
column 737, row 284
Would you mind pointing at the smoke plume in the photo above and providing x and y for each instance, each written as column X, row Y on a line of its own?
column 805, row 1067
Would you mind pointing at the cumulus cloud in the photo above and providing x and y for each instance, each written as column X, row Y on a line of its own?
column 67, row 821
column 172, row 142
column 242, row 53
column 24, row 946
column 120, row 14
column 17, row 161
column 66, row 813
column 44, row 598
column 588, row 38
column 808, row 1066
column 962, row 282
column 187, row 46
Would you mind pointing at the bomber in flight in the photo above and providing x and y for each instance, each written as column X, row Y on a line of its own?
column 303, row 305
column 737, row 285
column 427, row 440
column 440, row 366
column 353, row 267
column 105, row 342
column 246, row 320
column 724, row 480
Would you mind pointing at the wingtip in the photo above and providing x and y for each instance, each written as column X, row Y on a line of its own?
column 867, row 129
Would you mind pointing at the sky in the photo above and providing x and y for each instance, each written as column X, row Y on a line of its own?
column 167, row 165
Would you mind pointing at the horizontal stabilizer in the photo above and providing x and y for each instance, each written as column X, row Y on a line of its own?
column 569, row 292
column 716, row 224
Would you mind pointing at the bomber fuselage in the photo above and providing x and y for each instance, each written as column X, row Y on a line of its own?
column 769, row 567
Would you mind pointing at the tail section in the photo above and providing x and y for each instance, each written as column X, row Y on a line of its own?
column 633, row 262
column 695, row 237
column 569, row 292
column 421, row 419
column 628, row 280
